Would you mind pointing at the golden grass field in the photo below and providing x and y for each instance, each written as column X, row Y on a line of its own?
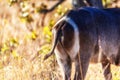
column 23, row 45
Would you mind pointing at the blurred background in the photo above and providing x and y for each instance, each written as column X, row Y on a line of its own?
column 25, row 37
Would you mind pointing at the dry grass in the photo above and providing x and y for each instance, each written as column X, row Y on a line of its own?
column 21, row 57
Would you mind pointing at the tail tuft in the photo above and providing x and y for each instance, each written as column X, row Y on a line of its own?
column 48, row 55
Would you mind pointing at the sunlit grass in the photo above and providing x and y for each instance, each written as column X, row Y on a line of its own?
column 22, row 50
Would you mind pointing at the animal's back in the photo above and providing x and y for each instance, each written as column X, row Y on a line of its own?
column 103, row 25
column 107, row 24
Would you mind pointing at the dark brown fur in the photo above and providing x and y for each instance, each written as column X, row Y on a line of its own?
column 99, row 34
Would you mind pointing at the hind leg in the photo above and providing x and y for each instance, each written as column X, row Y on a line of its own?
column 106, row 68
column 77, row 69
column 65, row 65
column 81, row 63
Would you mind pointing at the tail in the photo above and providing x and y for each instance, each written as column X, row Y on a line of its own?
column 57, row 37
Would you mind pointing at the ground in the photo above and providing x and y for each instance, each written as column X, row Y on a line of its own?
column 24, row 42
